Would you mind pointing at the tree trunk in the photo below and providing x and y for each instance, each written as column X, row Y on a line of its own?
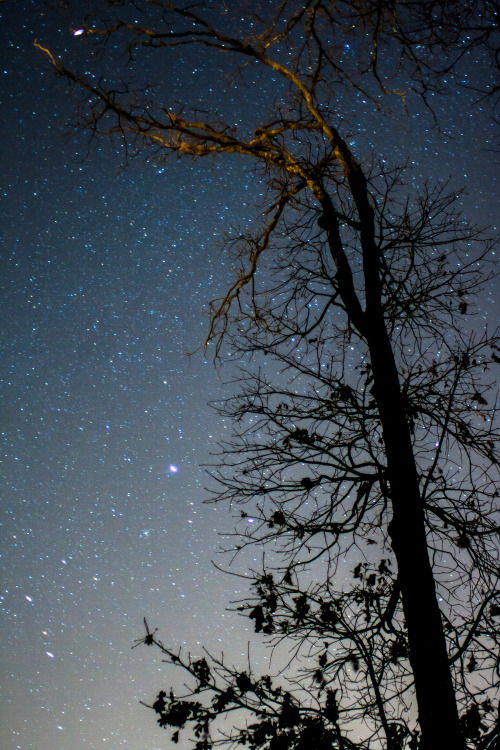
column 438, row 714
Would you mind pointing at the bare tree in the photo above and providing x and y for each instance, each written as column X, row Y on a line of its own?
column 369, row 430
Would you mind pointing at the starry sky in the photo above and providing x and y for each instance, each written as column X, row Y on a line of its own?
column 106, row 272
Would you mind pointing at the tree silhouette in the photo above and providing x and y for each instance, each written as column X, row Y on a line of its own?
column 364, row 415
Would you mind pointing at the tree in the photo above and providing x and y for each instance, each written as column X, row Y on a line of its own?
column 370, row 429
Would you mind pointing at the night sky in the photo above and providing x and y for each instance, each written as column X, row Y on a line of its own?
column 106, row 272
